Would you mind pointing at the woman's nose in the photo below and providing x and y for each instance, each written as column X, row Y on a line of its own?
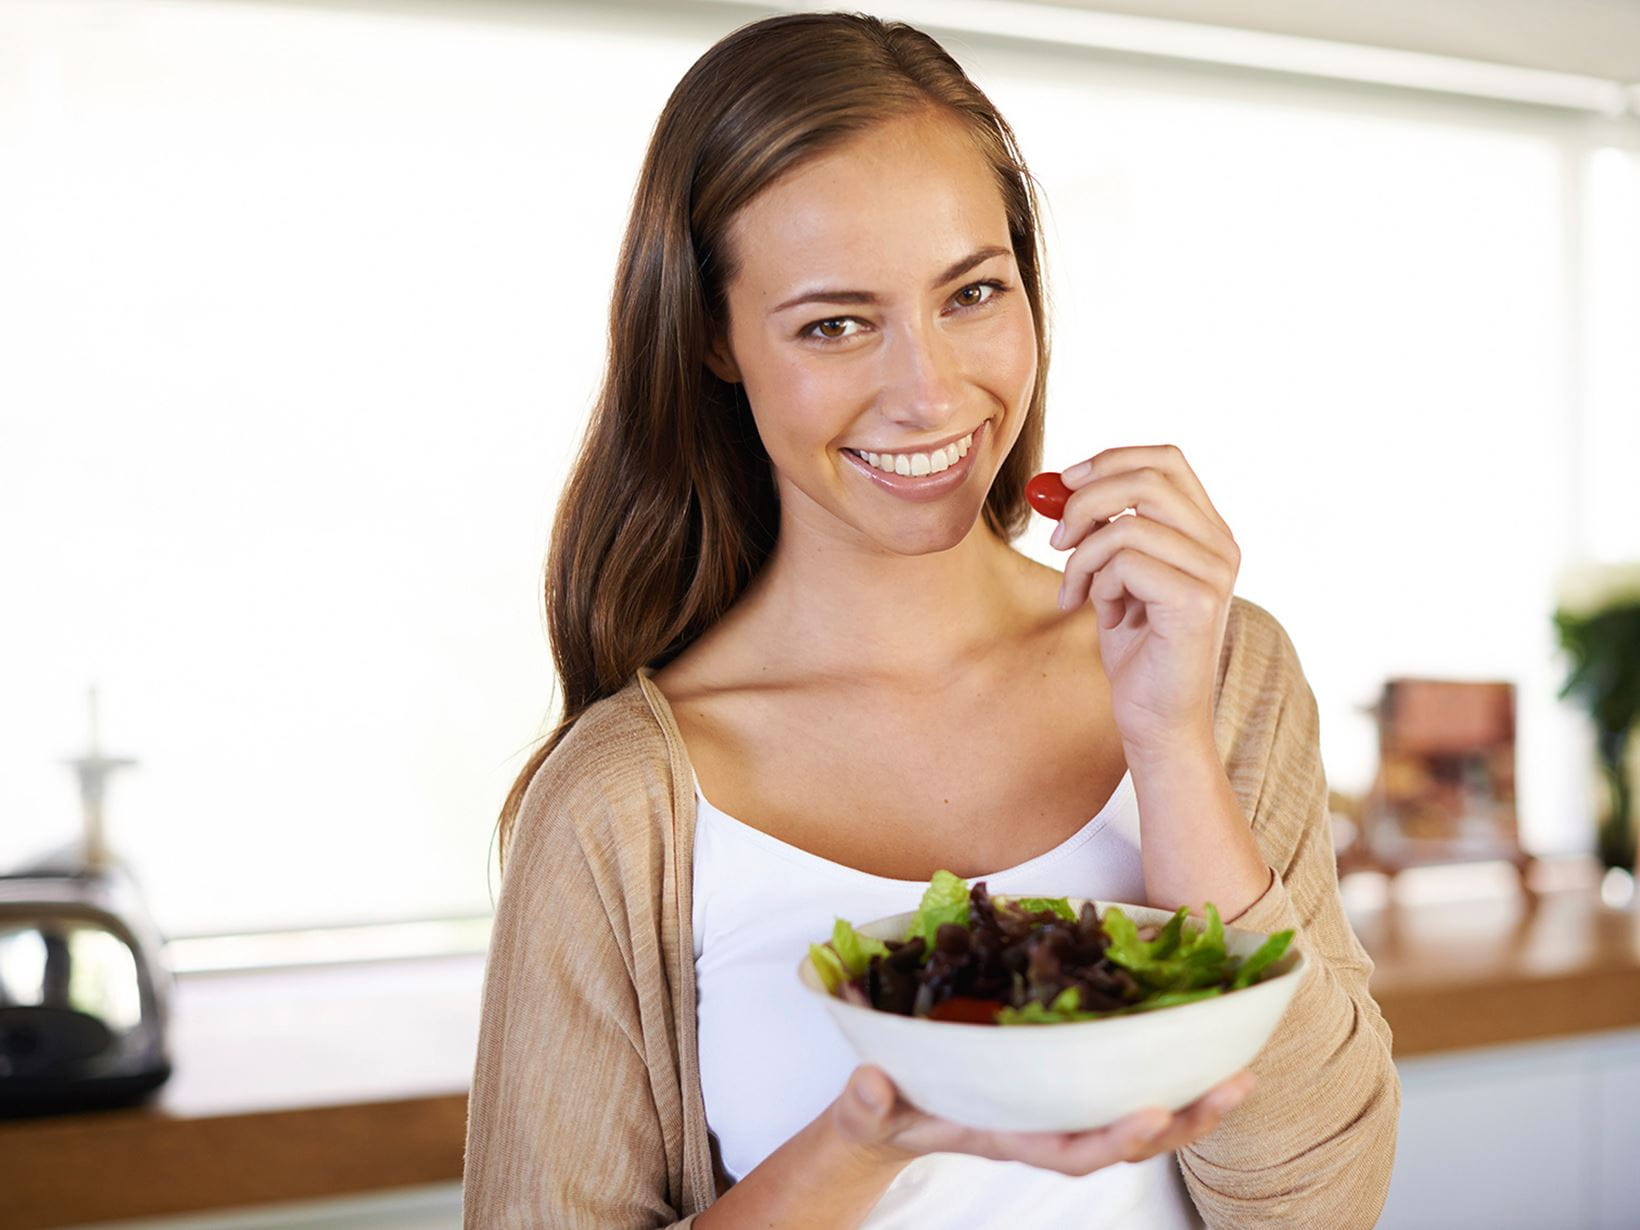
column 921, row 388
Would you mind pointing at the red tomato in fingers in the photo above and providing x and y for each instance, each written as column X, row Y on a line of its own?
column 1047, row 494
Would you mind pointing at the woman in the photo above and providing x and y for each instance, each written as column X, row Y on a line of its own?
column 803, row 669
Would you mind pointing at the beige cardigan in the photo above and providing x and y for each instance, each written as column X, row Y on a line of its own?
column 586, row 1105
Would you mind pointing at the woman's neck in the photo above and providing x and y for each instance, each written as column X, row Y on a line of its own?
column 824, row 605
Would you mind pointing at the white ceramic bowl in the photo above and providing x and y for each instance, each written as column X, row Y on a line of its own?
column 1079, row 1074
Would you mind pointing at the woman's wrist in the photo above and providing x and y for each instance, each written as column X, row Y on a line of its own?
column 1188, row 745
column 1196, row 843
column 822, row 1177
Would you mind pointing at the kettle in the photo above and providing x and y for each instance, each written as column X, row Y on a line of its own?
column 84, row 987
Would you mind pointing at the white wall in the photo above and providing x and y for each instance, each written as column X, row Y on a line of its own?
column 304, row 306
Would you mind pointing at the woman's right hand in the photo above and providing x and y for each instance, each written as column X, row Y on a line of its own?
column 873, row 1119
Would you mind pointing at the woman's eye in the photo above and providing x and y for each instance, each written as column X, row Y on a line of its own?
column 995, row 289
column 823, row 327
column 974, row 295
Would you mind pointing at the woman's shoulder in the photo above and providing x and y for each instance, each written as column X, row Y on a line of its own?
column 1258, row 657
column 1254, row 633
column 610, row 766
column 611, row 735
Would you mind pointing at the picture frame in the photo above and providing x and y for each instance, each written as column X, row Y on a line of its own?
column 1444, row 791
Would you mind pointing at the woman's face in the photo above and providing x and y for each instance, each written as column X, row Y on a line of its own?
column 878, row 310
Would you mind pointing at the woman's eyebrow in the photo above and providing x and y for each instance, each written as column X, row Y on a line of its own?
column 978, row 256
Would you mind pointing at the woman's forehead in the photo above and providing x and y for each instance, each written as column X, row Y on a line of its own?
column 901, row 201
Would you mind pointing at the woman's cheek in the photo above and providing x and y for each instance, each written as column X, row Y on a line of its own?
column 1009, row 362
column 1025, row 347
column 796, row 408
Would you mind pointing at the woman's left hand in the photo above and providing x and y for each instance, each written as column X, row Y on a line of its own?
column 1160, row 582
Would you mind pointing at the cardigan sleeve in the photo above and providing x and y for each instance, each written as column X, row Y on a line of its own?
column 563, row 1126
column 1314, row 1143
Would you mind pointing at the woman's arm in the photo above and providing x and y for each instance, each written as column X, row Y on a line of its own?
column 819, row 1178
column 562, row 1123
column 1315, row 1143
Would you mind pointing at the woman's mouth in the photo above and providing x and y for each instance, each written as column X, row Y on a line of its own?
column 916, row 465
column 920, row 475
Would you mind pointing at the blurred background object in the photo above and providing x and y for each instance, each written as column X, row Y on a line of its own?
column 1445, row 787
column 1599, row 624
column 84, row 985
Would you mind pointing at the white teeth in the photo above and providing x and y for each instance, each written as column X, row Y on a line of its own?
column 918, row 464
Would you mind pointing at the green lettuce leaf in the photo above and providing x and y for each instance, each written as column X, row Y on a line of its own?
column 1167, row 999
column 1260, row 959
column 855, row 949
column 1147, row 960
column 1126, row 948
column 1179, row 959
column 1034, row 905
column 1213, row 934
column 1169, row 938
column 944, row 901
column 829, row 966
column 1200, row 960
column 1066, row 1006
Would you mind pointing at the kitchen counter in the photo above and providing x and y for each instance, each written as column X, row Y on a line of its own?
column 328, row 1081
column 1503, row 970
column 289, row 1084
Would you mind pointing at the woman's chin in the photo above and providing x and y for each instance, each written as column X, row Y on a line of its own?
column 942, row 533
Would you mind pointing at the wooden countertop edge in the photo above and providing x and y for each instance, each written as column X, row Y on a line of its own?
column 1432, row 1019
column 64, row 1171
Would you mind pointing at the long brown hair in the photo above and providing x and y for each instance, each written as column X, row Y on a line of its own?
column 670, row 508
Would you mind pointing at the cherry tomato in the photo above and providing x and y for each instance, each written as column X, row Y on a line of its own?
column 1047, row 494
column 967, row 1009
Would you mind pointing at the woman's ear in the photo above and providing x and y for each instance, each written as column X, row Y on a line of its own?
column 721, row 362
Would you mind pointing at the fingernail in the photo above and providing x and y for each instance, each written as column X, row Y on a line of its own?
column 1078, row 472
column 1061, row 597
column 1058, row 534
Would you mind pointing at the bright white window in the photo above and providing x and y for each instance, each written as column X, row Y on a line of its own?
column 303, row 310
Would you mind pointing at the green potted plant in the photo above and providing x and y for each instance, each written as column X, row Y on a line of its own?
column 1598, row 620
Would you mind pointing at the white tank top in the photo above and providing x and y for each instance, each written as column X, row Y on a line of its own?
column 771, row 1058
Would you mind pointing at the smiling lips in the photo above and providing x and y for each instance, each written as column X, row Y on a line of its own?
column 917, row 465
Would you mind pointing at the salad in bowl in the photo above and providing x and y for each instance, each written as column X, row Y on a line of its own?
column 1147, row 1007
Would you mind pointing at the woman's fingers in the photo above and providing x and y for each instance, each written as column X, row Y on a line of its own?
column 1165, row 459
column 1133, row 1138
column 872, row 1117
column 1203, row 1116
column 1153, row 494
column 1130, row 1139
column 903, row 1130
column 1180, row 552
